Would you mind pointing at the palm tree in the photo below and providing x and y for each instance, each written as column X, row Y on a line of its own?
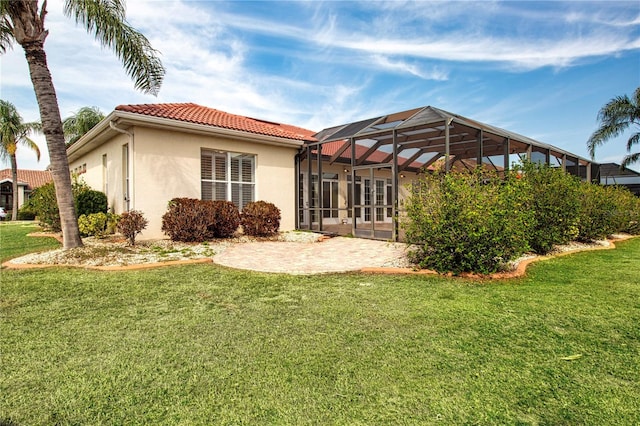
column 14, row 131
column 22, row 21
column 80, row 123
column 616, row 117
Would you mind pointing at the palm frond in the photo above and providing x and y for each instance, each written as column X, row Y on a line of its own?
column 630, row 159
column 6, row 33
column 13, row 131
column 77, row 125
column 634, row 139
column 105, row 19
column 615, row 118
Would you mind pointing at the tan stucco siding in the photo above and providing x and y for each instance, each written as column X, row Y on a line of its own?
column 165, row 164
column 94, row 177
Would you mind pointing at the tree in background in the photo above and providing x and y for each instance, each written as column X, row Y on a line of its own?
column 78, row 124
column 14, row 132
column 615, row 117
column 23, row 21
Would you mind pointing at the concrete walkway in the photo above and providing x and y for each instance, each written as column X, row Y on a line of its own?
column 338, row 254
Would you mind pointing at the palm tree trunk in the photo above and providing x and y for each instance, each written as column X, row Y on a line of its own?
column 14, row 186
column 52, row 129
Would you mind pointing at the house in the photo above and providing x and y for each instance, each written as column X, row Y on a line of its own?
column 347, row 179
column 142, row 156
column 28, row 180
column 613, row 174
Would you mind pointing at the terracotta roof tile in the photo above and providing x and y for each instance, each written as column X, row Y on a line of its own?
column 197, row 114
column 33, row 178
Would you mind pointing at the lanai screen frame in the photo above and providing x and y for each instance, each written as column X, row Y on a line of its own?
column 425, row 135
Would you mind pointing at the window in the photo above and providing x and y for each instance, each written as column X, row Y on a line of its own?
column 228, row 176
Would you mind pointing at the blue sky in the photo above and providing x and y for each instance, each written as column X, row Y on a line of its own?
column 542, row 69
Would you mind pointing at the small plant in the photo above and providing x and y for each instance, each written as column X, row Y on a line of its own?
column 97, row 224
column 131, row 224
column 260, row 219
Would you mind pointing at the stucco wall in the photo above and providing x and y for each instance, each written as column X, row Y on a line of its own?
column 166, row 164
column 93, row 175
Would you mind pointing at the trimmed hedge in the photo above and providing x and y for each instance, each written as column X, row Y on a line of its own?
column 193, row 220
column 260, row 219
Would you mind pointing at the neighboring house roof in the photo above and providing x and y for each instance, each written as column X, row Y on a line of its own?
column 198, row 114
column 31, row 178
column 614, row 170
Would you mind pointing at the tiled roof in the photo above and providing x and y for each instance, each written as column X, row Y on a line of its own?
column 33, row 178
column 197, row 114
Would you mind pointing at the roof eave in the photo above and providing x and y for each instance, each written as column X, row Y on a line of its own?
column 103, row 131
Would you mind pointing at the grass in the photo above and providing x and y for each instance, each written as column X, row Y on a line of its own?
column 13, row 242
column 208, row 345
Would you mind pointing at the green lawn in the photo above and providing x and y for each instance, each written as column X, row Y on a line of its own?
column 207, row 345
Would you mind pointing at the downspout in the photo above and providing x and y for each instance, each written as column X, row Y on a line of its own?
column 132, row 195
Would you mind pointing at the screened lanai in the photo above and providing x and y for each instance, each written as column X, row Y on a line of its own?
column 353, row 178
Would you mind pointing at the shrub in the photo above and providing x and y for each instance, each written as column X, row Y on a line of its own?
column 598, row 213
column 89, row 201
column 260, row 219
column 131, row 224
column 606, row 210
column 632, row 216
column 227, row 218
column 44, row 205
column 463, row 222
column 97, row 224
column 190, row 219
column 555, row 204
column 26, row 214
column 186, row 220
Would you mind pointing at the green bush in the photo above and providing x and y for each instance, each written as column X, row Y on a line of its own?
column 599, row 216
column 190, row 219
column 260, row 219
column 606, row 210
column 26, row 214
column 44, row 205
column 89, row 201
column 555, row 203
column 97, row 224
column 468, row 222
column 131, row 224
